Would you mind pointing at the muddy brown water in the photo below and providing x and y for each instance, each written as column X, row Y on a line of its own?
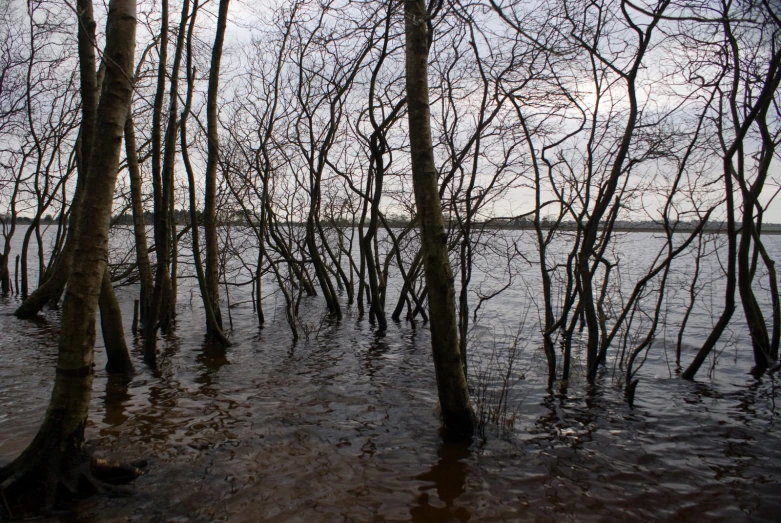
column 344, row 427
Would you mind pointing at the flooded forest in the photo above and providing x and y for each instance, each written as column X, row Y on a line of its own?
column 415, row 260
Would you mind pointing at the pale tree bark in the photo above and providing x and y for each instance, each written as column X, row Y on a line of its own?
column 91, row 83
column 56, row 453
column 451, row 382
column 51, row 290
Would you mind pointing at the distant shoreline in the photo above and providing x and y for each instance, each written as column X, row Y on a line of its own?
column 720, row 228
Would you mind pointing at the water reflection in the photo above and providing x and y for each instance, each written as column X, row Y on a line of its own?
column 115, row 400
column 372, row 360
column 211, row 359
column 448, row 478
column 164, row 367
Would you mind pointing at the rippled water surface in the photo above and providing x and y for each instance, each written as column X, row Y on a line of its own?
column 344, row 427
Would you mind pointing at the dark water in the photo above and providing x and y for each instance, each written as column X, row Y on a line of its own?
column 344, row 427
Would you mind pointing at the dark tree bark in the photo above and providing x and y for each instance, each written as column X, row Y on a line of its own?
column 9, row 228
column 378, row 148
column 113, row 330
column 761, row 103
column 139, row 223
column 210, row 202
column 161, row 311
column 451, row 382
column 213, row 326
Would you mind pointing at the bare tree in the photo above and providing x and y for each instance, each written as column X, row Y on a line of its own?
column 57, row 450
column 212, row 269
column 451, row 382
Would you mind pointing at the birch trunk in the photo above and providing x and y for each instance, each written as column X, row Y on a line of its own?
column 57, row 448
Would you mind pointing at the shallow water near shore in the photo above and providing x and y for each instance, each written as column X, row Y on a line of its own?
column 344, row 428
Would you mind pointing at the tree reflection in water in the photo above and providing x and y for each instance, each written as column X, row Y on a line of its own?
column 448, row 476
column 116, row 398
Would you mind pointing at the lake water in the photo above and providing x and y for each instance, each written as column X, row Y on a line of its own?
column 343, row 425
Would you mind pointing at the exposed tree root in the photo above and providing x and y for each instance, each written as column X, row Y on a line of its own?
column 38, row 488
column 114, row 472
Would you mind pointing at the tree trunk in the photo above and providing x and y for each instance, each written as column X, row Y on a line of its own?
column 111, row 316
column 5, row 275
column 159, row 315
column 113, row 331
column 168, row 178
column 57, row 447
column 210, row 202
column 212, row 326
column 760, row 106
column 760, row 338
column 451, row 382
column 139, row 223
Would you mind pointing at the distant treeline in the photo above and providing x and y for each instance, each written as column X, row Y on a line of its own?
column 183, row 218
column 624, row 225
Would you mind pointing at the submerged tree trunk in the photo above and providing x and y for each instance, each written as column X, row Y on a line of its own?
column 113, row 331
column 5, row 275
column 139, row 223
column 57, row 448
column 761, row 104
column 210, row 202
column 168, row 175
column 213, row 327
column 451, row 381
column 159, row 314
column 5, row 256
